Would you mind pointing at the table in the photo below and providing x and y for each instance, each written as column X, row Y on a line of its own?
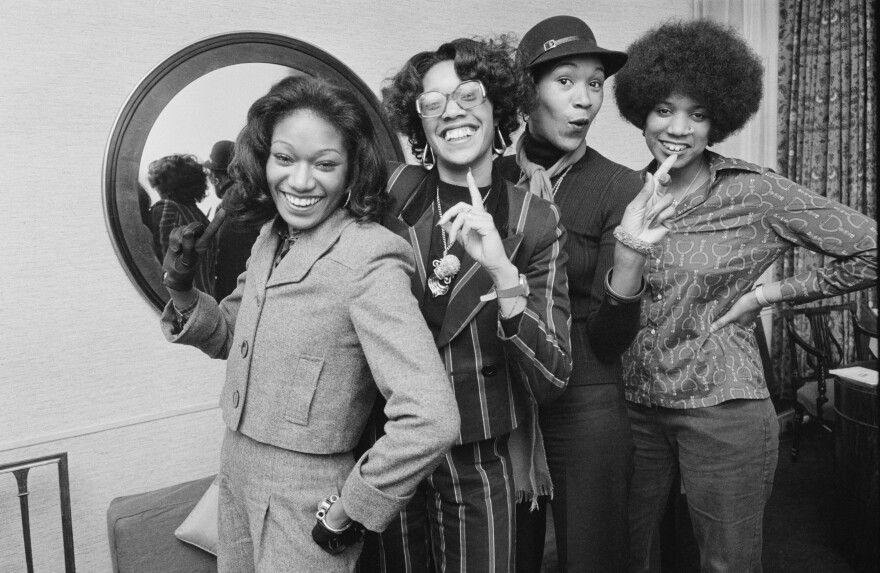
column 856, row 468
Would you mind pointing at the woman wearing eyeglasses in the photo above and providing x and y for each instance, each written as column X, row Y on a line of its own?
column 491, row 285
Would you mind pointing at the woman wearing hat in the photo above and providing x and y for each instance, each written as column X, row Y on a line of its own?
column 693, row 378
column 586, row 432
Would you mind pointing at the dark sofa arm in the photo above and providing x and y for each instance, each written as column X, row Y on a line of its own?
column 141, row 528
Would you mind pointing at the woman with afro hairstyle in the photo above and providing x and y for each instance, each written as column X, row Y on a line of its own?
column 491, row 285
column 698, row 402
column 586, row 433
column 320, row 322
column 181, row 182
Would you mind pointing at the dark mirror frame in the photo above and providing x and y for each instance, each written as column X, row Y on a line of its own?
column 122, row 158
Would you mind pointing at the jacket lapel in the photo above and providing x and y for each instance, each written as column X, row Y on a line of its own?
column 260, row 263
column 308, row 248
column 472, row 283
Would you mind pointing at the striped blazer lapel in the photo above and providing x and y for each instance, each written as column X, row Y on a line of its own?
column 472, row 283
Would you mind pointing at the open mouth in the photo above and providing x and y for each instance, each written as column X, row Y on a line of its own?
column 458, row 134
column 295, row 202
column 673, row 147
column 580, row 123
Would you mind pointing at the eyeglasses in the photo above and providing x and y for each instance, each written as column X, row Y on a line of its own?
column 467, row 95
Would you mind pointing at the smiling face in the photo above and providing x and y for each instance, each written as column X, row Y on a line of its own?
column 307, row 169
column 460, row 138
column 678, row 125
column 570, row 95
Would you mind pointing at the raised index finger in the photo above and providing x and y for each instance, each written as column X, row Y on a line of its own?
column 665, row 166
column 476, row 198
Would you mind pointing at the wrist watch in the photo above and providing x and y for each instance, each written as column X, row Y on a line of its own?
column 335, row 541
column 522, row 289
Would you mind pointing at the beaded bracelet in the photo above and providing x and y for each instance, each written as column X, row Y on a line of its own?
column 636, row 244
column 623, row 299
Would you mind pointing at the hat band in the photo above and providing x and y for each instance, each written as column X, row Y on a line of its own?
column 550, row 44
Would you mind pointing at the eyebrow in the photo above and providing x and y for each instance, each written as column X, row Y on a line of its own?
column 325, row 150
column 566, row 63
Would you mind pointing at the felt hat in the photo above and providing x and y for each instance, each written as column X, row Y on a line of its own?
column 561, row 36
column 221, row 155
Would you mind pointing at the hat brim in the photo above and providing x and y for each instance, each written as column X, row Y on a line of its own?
column 612, row 60
column 210, row 165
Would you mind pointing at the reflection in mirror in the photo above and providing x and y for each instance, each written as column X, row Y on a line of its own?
column 189, row 105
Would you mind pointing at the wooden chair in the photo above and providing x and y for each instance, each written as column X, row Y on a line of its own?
column 812, row 355
column 864, row 323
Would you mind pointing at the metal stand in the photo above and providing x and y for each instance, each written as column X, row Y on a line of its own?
column 21, row 470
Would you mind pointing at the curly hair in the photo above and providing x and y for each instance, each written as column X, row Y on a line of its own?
column 180, row 178
column 705, row 61
column 488, row 60
column 252, row 203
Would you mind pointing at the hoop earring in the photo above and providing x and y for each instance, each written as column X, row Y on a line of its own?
column 428, row 164
column 347, row 199
column 500, row 137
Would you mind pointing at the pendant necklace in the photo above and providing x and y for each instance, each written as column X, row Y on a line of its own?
column 448, row 265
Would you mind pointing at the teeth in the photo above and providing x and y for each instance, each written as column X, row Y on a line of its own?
column 459, row 133
column 300, row 202
column 674, row 147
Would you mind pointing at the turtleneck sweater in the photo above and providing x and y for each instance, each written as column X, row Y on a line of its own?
column 591, row 199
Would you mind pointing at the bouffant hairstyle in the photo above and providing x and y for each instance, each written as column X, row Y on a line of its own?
column 488, row 60
column 180, row 178
column 252, row 203
column 705, row 61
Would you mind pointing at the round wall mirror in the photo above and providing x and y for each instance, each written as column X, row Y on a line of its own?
column 191, row 101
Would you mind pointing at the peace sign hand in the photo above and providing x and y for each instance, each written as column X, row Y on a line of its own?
column 645, row 214
column 474, row 228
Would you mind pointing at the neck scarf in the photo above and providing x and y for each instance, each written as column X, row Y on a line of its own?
column 539, row 178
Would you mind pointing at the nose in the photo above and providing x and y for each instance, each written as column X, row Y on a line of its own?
column 680, row 124
column 452, row 109
column 580, row 97
column 300, row 178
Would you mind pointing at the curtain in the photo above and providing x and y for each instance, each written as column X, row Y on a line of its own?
column 826, row 129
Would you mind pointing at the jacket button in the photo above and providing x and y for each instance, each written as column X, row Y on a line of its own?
column 244, row 348
column 489, row 371
column 235, row 399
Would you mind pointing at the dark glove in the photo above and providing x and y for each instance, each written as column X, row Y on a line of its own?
column 185, row 246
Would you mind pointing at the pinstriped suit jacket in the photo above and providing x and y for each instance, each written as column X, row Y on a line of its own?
column 495, row 377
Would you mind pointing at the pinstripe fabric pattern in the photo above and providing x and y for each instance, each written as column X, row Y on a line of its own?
column 443, row 528
column 462, row 518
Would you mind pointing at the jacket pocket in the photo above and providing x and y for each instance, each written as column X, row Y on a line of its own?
column 302, row 389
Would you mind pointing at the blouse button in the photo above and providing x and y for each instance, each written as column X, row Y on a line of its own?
column 244, row 348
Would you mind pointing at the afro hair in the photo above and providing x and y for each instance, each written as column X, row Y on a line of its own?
column 705, row 61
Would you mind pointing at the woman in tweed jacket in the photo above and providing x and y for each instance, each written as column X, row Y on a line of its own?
column 320, row 321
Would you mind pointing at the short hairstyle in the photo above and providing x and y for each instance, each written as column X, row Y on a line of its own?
column 252, row 203
column 180, row 178
column 700, row 59
column 488, row 60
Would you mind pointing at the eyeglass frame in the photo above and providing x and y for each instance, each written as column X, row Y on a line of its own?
column 451, row 96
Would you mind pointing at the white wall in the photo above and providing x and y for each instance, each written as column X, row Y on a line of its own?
column 83, row 366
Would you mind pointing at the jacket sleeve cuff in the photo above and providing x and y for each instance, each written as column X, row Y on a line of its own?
column 371, row 507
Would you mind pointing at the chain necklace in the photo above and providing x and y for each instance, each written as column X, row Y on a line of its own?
column 559, row 181
column 676, row 202
column 448, row 265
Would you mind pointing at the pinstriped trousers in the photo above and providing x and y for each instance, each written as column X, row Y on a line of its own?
column 461, row 519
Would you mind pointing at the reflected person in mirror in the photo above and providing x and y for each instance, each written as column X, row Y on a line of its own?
column 234, row 241
column 181, row 183
column 322, row 320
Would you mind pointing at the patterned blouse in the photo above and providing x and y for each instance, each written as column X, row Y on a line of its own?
column 722, row 238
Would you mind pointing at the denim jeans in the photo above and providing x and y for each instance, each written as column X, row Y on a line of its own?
column 727, row 456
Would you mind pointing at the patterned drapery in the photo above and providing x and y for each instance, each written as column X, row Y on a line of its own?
column 827, row 124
